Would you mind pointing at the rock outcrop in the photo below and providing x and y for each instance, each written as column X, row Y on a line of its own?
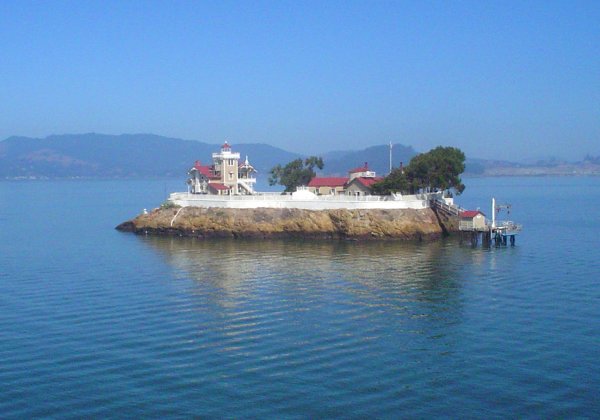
column 199, row 222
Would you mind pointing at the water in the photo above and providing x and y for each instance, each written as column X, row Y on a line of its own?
column 96, row 323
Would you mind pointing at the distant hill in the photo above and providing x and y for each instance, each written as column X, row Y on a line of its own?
column 123, row 156
column 147, row 155
column 378, row 158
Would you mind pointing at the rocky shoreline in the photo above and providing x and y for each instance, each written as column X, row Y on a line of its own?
column 404, row 224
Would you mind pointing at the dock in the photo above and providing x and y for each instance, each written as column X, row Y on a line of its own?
column 474, row 227
column 500, row 235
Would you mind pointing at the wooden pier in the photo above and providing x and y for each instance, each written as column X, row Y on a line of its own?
column 499, row 236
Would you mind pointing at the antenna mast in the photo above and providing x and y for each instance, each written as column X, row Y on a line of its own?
column 391, row 157
column 496, row 209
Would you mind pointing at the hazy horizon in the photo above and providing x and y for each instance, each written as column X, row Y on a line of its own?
column 510, row 81
column 517, row 159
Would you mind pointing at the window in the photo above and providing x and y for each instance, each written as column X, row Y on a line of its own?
column 230, row 176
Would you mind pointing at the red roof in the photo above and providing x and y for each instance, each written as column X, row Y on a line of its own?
column 368, row 181
column 364, row 168
column 470, row 213
column 218, row 186
column 327, row 182
column 226, row 146
column 204, row 170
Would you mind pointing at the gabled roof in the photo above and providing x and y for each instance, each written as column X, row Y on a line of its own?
column 327, row 182
column 245, row 165
column 204, row 170
column 471, row 213
column 363, row 168
column 367, row 181
column 218, row 186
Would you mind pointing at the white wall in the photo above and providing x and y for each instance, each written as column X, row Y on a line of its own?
column 286, row 201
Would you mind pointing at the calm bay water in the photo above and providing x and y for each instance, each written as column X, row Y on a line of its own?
column 94, row 322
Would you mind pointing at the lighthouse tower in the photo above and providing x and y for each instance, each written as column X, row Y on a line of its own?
column 226, row 167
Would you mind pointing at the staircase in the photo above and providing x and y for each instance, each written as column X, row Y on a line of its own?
column 246, row 186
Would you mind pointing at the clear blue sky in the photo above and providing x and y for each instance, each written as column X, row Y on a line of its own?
column 511, row 80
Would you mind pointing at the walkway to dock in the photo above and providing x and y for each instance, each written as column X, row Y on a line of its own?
column 449, row 209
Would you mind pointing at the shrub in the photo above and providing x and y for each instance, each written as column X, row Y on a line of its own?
column 169, row 205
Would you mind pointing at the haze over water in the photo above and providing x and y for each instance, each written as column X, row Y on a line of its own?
column 94, row 322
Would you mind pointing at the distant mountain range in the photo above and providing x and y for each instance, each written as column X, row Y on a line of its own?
column 377, row 157
column 123, row 156
column 147, row 155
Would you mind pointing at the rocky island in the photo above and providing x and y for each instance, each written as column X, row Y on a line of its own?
column 403, row 224
column 221, row 202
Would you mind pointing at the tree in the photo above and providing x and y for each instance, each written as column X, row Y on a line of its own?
column 447, row 164
column 440, row 168
column 295, row 173
column 396, row 181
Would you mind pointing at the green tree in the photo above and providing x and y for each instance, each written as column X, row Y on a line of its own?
column 447, row 164
column 440, row 168
column 396, row 181
column 295, row 173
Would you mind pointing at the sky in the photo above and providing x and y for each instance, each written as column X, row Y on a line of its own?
column 507, row 80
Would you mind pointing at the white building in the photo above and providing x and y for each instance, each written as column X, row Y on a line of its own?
column 227, row 183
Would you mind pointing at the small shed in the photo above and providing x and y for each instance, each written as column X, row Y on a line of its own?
column 472, row 220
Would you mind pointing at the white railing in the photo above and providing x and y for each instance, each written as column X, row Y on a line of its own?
column 289, row 197
column 509, row 226
column 449, row 208
column 249, row 179
column 246, row 184
column 311, row 202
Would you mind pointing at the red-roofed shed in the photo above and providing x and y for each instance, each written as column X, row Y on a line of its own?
column 471, row 213
column 472, row 220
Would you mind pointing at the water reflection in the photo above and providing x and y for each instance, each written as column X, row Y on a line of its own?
column 393, row 276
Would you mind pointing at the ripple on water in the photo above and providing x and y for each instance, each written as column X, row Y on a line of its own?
column 137, row 326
